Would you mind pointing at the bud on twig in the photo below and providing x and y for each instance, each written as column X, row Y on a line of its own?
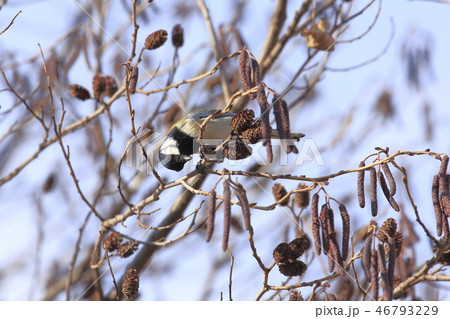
column 134, row 75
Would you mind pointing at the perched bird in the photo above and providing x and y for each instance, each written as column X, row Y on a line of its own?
column 180, row 143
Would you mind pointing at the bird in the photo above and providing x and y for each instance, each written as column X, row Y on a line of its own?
column 179, row 144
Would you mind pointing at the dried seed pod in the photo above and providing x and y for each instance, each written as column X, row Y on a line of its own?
column 177, row 36
column 390, row 179
column 211, row 215
column 360, row 186
column 253, row 134
column 110, row 86
column 243, row 120
column 294, row 268
column 134, row 75
column 127, row 249
column 226, row 214
column 112, row 242
column 130, row 284
column 283, row 253
column 241, row 195
column 315, row 223
column 388, row 229
column 373, row 191
column 301, row 199
column 236, row 150
column 398, row 242
column 299, row 245
column 295, row 296
column 156, row 39
column 98, row 86
column 439, row 214
column 79, row 92
column 386, row 192
column 366, row 253
column 345, row 231
column 279, row 192
column 374, row 274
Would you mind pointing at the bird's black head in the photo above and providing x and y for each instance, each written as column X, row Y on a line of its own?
column 173, row 162
column 175, row 150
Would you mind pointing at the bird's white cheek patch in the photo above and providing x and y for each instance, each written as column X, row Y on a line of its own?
column 170, row 147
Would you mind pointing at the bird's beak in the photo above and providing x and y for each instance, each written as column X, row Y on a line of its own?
column 186, row 158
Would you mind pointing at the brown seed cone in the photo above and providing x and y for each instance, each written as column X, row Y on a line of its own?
column 388, row 229
column 79, row 92
column 110, row 86
column 299, row 245
column 373, row 191
column 439, row 214
column 112, row 242
column 156, row 39
column 294, row 268
column 130, row 284
column 279, row 192
column 177, row 36
column 242, row 121
column 236, row 150
column 360, row 186
column 398, row 241
column 390, row 179
column 283, row 253
column 301, row 199
column 253, row 134
column 211, row 215
column 295, row 296
column 226, row 214
column 98, row 86
column 127, row 249
column 315, row 223
column 345, row 231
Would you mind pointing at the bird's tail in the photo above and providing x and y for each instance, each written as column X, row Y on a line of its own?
column 295, row 136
